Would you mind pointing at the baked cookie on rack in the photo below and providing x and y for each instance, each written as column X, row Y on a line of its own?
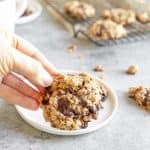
column 79, row 10
column 143, row 17
column 72, row 101
column 120, row 16
column 106, row 29
column 141, row 95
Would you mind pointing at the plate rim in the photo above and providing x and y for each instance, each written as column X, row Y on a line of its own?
column 22, row 8
column 33, row 16
column 80, row 131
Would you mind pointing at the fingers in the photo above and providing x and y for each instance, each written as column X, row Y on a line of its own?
column 28, row 49
column 14, row 97
column 31, row 69
column 19, row 85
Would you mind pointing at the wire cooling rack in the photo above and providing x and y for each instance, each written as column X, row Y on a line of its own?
column 136, row 31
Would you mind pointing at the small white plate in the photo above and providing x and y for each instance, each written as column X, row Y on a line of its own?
column 35, row 118
column 36, row 9
column 22, row 5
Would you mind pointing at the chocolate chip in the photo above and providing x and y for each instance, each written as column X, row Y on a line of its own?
column 103, row 97
column 92, row 109
column 83, row 83
column 68, row 11
column 63, row 107
column 82, row 102
column 69, row 91
column 68, row 113
column 45, row 101
column 48, row 90
column 146, row 98
column 84, row 125
column 98, row 107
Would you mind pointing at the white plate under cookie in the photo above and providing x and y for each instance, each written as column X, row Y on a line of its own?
column 35, row 118
column 36, row 9
column 22, row 5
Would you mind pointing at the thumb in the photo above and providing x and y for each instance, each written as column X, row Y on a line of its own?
column 30, row 68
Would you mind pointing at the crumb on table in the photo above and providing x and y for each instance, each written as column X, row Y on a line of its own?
column 71, row 48
column 133, row 69
column 99, row 68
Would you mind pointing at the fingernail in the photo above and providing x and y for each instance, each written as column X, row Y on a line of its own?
column 47, row 79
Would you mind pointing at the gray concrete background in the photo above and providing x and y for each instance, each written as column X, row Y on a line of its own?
column 129, row 129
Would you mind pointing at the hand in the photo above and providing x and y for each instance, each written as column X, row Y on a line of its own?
column 22, row 58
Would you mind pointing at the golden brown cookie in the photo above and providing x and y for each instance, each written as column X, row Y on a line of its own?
column 107, row 29
column 79, row 10
column 141, row 95
column 120, row 16
column 72, row 101
column 143, row 17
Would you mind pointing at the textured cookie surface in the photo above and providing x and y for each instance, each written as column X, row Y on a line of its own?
column 79, row 10
column 120, row 16
column 141, row 95
column 107, row 29
column 143, row 17
column 72, row 101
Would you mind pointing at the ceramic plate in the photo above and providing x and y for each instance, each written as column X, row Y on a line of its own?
column 35, row 118
column 36, row 9
column 22, row 5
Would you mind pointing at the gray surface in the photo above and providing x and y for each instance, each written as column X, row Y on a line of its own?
column 129, row 129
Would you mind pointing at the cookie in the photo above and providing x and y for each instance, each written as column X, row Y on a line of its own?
column 143, row 17
column 120, row 16
column 72, row 101
column 79, row 10
column 141, row 95
column 107, row 29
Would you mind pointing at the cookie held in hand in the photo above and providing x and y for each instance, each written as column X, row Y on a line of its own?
column 72, row 101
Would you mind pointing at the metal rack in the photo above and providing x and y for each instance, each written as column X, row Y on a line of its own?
column 136, row 32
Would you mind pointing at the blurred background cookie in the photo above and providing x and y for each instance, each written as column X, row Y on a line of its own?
column 107, row 29
column 79, row 10
column 120, row 16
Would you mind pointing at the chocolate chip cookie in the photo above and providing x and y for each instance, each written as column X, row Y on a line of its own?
column 107, row 29
column 141, row 95
column 79, row 10
column 72, row 101
column 143, row 17
column 120, row 16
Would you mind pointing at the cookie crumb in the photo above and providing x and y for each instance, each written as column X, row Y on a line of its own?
column 71, row 48
column 99, row 68
column 133, row 69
